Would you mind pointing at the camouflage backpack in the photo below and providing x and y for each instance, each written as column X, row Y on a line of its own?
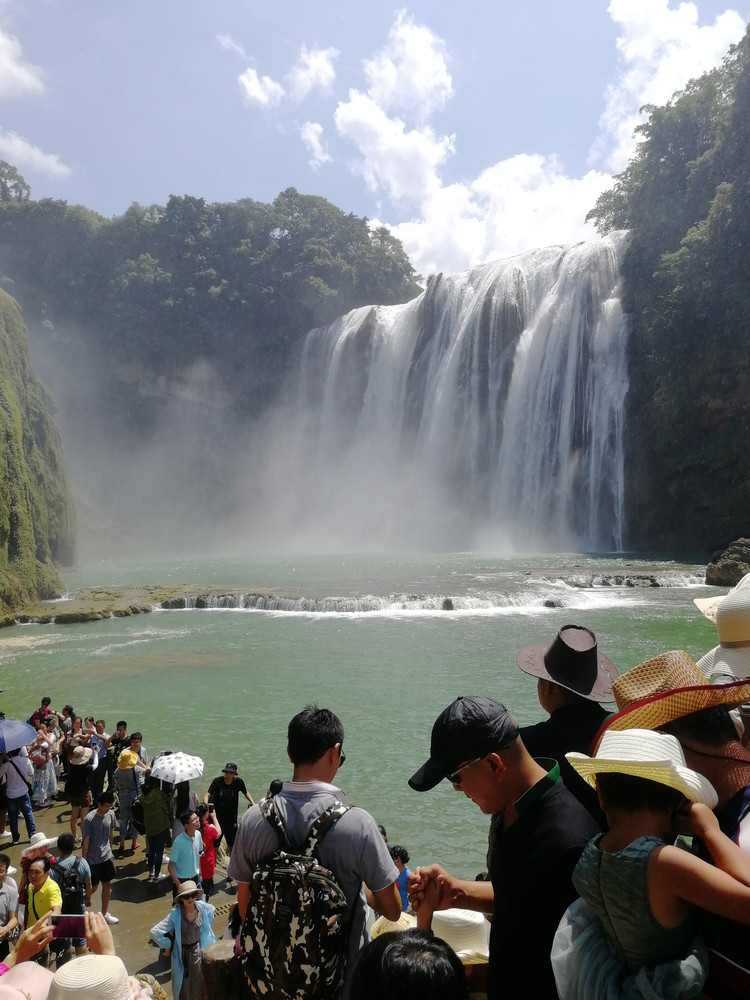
column 296, row 930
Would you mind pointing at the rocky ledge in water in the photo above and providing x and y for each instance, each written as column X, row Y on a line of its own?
column 731, row 565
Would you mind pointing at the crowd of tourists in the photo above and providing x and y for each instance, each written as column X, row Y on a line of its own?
column 618, row 844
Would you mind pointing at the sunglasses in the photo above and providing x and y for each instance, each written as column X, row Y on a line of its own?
column 192, row 895
column 342, row 757
column 455, row 776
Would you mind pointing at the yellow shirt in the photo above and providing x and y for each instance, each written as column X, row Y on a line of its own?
column 42, row 901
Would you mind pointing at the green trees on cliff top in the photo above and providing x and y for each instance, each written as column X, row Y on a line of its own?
column 685, row 197
column 238, row 284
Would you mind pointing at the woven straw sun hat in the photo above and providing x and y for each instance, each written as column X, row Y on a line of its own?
column 643, row 753
column 664, row 689
column 405, row 922
column 466, row 931
column 92, row 977
column 708, row 606
column 731, row 658
column 81, row 755
column 187, row 889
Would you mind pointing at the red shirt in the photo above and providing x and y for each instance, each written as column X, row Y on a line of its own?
column 208, row 859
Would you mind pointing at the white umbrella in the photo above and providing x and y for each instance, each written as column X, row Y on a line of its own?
column 174, row 767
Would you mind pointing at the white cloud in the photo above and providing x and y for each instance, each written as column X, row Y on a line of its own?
column 314, row 70
column 311, row 134
column 659, row 50
column 261, row 90
column 24, row 155
column 410, row 75
column 17, row 77
column 230, row 45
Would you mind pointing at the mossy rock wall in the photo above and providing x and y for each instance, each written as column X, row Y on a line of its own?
column 37, row 517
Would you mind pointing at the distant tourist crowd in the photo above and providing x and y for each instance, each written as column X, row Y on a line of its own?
column 618, row 860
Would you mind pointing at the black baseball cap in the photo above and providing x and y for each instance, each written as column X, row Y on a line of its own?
column 471, row 726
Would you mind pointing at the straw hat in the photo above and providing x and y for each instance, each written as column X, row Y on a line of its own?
column 126, row 760
column 187, row 888
column 664, row 689
column 25, row 981
column 92, row 977
column 81, row 755
column 708, row 606
column 572, row 661
column 731, row 658
column 383, row 925
column 466, row 931
column 38, row 840
column 645, row 754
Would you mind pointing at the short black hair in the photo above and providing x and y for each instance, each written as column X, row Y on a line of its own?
column 311, row 732
column 46, row 700
column 122, row 723
column 5, row 860
column 45, row 861
column 402, row 965
column 185, row 816
column 397, row 851
column 629, row 793
column 66, row 842
column 103, row 797
column 135, row 736
column 712, row 726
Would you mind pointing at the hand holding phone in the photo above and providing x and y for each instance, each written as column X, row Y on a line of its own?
column 68, row 925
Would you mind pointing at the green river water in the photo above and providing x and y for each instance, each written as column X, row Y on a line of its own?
column 224, row 683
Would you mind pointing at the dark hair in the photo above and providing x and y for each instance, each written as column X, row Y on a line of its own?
column 135, row 736
column 103, row 797
column 181, row 797
column 45, row 861
column 5, row 860
column 403, row 965
column 122, row 723
column 89, row 718
column 712, row 726
column 46, row 700
column 397, row 851
column 66, row 842
column 311, row 732
column 628, row 792
column 185, row 816
column 201, row 812
column 383, row 834
column 102, row 722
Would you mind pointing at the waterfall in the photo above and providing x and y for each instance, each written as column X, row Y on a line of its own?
column 486, row 412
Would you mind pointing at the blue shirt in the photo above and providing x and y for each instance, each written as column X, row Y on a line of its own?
column 186, row 855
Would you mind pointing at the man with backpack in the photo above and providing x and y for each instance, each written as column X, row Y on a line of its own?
column 73, row 875
column 320, row 947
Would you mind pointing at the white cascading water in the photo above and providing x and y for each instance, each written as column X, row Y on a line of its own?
column 488, row 412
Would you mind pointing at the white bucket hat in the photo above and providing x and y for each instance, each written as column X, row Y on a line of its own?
column 730, row 660
column 708, row 606
column 466, row 931
column 645, row 754
column 92, row 977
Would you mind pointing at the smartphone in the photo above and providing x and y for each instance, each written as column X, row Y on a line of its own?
column 210, row 807
column 68, row 925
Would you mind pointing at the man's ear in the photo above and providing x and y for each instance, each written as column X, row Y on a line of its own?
column 289, row 755
column 496, row 765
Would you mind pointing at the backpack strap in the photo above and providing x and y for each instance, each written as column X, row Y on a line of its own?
column 325, row 822
column 268, row 811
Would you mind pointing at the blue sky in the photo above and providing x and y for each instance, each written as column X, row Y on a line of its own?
column 473, row 130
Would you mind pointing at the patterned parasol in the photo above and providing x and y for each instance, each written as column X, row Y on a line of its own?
column 176, row 767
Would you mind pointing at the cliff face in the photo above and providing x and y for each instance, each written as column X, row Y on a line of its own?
column 37, row 518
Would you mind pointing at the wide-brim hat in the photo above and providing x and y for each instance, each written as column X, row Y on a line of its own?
column 127, row 760
column 708, row 606
column 471, row 726
column 666, row 688
column 25, row 981
column 81, row 755
column 92, row 977
column 573, row 661
column 187, row 889
column 406, row 921
column 643, row 753
column 38, row 840
column 466, row 931
column 732, row 656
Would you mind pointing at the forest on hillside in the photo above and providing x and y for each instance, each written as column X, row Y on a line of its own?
column 685, row 197
column 235, row 284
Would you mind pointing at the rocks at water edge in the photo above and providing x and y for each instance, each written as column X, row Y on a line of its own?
column 728, row 569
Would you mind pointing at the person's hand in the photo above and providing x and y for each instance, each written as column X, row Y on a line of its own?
column 98, row 935
column 697, row 819
column 166, row 952
column 417, row 886
column 32, row 941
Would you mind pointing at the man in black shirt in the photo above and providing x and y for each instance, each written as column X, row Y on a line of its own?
column 538, row 832
column 224, row 791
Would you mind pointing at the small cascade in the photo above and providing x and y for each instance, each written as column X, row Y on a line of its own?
column 488, row 412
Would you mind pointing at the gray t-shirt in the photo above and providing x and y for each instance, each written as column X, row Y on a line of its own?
column 353, row 850
column 8, row 902
column 97, row 829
